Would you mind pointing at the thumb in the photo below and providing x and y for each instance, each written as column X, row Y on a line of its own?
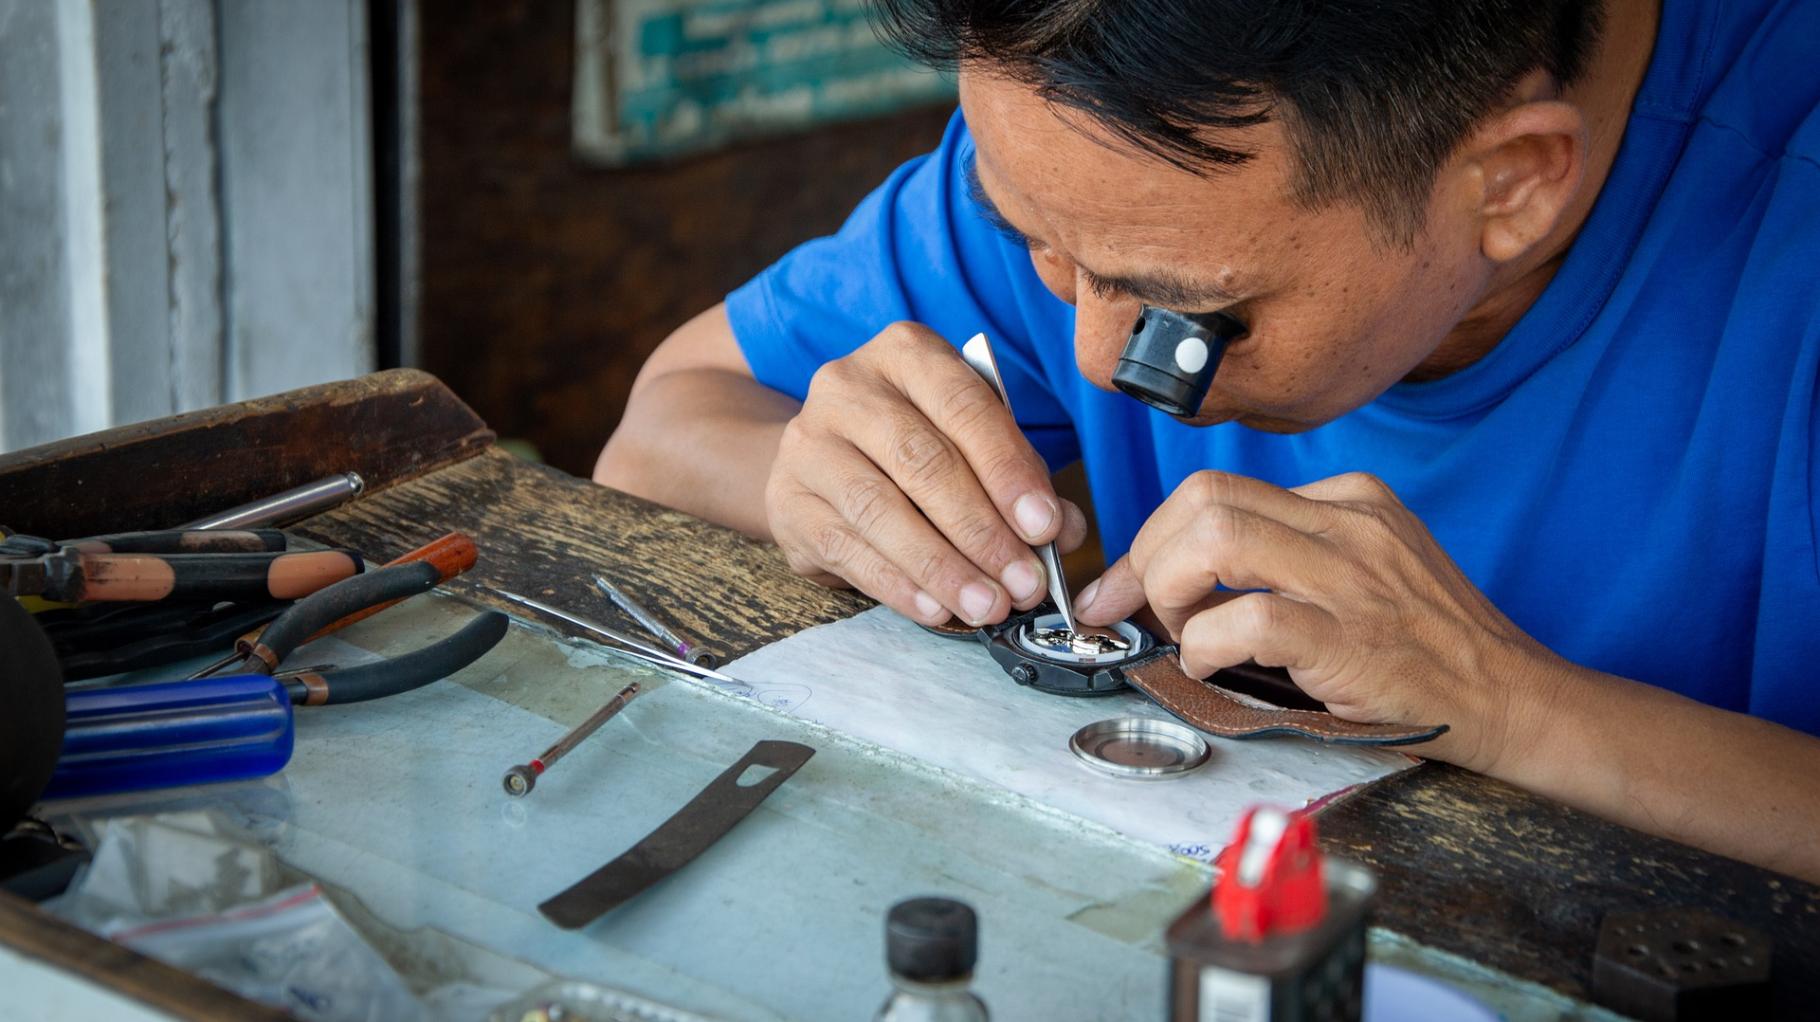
column 1114, row 596
column 1074, row 528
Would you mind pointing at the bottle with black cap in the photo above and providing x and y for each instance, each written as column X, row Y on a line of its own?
column 930, row 947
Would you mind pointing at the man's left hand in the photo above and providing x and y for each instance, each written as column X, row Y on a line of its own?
column 1341, row 584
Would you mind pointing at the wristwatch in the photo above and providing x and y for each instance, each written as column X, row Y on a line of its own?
column 1036, row 649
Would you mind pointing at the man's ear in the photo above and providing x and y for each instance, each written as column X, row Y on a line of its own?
column 1529, row 161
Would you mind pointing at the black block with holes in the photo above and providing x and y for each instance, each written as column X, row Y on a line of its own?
column 1681, row 965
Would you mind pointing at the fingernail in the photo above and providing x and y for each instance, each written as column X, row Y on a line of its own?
column 1084, row 598
column 1022, row 579
column 1033, row 513
column 976, row 602
column 928, row 607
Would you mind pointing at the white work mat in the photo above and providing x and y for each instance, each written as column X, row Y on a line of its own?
column 882, row 679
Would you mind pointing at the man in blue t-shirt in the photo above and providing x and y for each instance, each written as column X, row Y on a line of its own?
column 1521, row 435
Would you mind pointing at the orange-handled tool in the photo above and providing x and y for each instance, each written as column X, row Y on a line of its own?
column 451, row 554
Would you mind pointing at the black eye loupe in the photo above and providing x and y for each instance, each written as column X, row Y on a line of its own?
column 1170, row 359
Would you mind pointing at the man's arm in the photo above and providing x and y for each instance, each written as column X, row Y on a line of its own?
column 902, row 473
column 699, row 433
column 1340, row 583
column 1663, row 763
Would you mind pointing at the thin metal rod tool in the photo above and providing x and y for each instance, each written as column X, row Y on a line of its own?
column 680, row 644
column 977, row 353
column 519, row 780
column 290, row 505
column 628, row 645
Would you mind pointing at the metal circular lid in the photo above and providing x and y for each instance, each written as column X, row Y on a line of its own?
column 1139, row 748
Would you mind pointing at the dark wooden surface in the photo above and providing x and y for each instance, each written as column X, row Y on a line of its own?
column 545, row 534
column 388, row 426
column 545, row 281
column 1491, row 872
column 1467, row 865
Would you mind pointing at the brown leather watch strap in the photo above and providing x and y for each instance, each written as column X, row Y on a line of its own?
column 1215, row 711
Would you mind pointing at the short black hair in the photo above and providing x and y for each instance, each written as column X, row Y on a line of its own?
column 1375, row 94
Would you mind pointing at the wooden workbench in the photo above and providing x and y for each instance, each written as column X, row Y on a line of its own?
column 1468, row 866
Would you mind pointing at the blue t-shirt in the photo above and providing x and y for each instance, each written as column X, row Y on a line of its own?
column 1631, row 474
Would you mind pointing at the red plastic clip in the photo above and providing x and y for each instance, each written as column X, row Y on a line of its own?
column 1270, row 876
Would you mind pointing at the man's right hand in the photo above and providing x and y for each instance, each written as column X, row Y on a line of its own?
column 905, row 476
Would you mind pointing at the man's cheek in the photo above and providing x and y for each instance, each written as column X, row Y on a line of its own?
column 1300, row 376
column 1275, row 365
column 1056, row 274
column 1101, row 330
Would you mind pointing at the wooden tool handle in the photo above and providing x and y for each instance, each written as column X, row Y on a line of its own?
column 451, row 555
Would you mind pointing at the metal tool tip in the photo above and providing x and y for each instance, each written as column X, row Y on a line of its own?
column 354, row 480
column 519, row 781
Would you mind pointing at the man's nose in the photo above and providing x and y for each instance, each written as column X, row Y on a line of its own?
column 1101, row 328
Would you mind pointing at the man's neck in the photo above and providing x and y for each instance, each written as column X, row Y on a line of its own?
column 1604, row 93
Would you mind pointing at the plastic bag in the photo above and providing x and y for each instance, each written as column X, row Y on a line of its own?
column 291, row 950
column 193, row 890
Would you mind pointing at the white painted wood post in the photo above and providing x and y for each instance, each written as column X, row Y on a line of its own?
column 296, row 193
column 186, row 211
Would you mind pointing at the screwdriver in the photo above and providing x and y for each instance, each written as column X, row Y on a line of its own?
column 519, row 780
column 452, row 554
column 621, row 643
column 680, row 644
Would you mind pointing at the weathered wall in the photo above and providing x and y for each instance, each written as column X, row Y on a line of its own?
column 545, row 282
column 185, row 206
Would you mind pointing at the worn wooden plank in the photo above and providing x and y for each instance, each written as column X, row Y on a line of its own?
column 545, row 534
column 1520, row 883
column 388, row 427
column 36, row 934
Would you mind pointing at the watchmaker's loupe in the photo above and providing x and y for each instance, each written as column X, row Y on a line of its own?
column 1170, row 358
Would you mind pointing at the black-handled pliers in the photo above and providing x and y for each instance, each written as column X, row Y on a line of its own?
column 323, row 608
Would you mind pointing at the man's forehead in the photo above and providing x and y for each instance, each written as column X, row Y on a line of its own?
column 1036, row 152
column 1163, row 282
column 1082, row 195
column 1065, row 181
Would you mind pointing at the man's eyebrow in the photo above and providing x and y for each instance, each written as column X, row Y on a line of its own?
column 1163, row 289
column 983, row 204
